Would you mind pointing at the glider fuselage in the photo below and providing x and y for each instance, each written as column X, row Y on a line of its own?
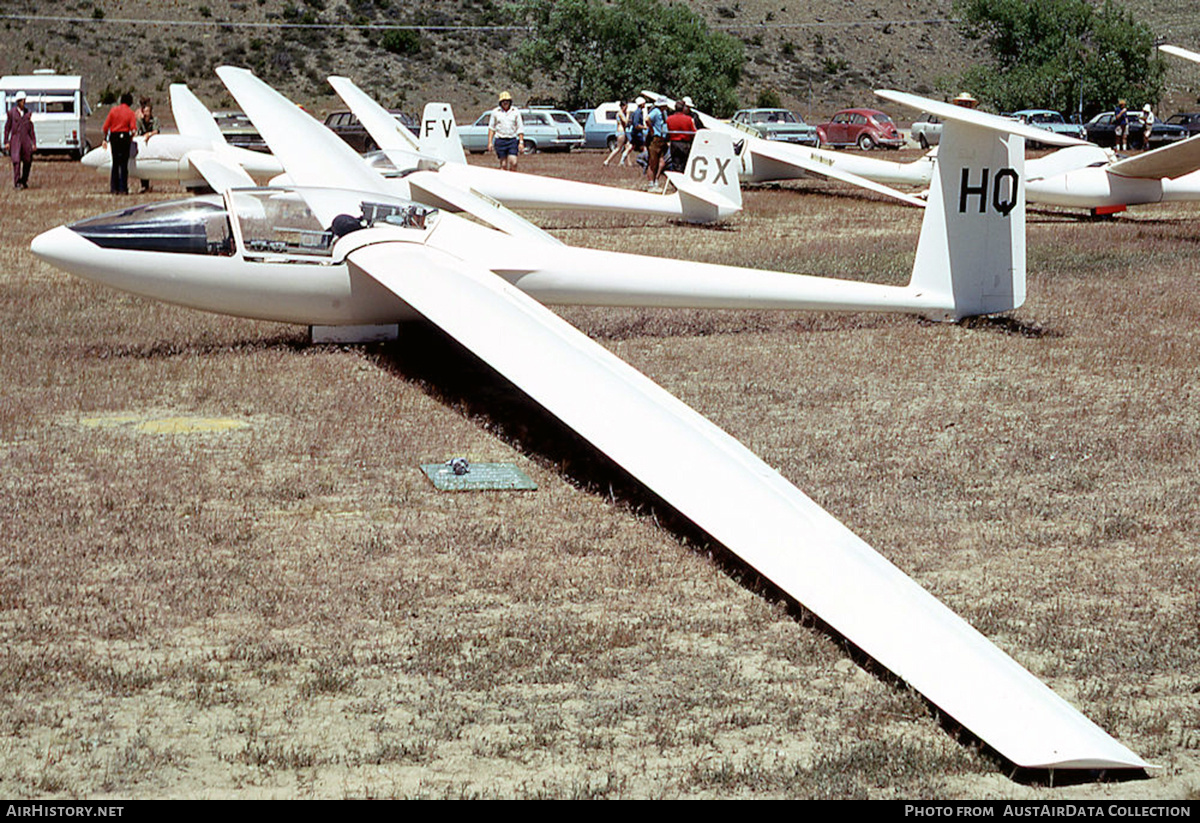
column 165, row 157
column 1096, row 188
column 262, row 254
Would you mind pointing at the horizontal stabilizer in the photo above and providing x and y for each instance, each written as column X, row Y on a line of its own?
column 1170, row 161
column 218, row 174
column 981, row 119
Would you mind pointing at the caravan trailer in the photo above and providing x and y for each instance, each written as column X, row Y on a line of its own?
column 59, row 108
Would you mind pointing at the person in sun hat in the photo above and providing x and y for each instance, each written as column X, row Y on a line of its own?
column 1121, row 127
column 657, row 145
column 20, row 141
column 506, row 132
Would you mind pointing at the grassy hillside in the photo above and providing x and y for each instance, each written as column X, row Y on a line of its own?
column 818, row 56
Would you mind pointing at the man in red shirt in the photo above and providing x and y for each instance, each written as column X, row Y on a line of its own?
column 119, row 128
column 681, row 131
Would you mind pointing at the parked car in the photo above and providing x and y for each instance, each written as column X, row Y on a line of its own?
column 569, row 130
column 346, row 126
column 1100, row 130
column 238, row 131
column 927, row 130
column 600, row 128
column 865, row 128
column 777, row 124
column 541, row 132
column 581, row 116
column 1048, row 120
column 1187, row 120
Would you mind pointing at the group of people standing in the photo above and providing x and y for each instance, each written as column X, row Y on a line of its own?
column 660, row 132
column 120, row 127
column 1121, row 122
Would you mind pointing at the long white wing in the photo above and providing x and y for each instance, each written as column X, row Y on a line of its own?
column 1170, row 161
column 315, row 156
column 192, row 117
column 747, row 506
column 1178, row 52
column 795, row 159
column 319, row 157
column 384, row 129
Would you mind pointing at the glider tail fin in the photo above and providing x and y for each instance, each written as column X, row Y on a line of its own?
column 439, row 134
column 709, row 188
column 972, row 247
column 192, row 117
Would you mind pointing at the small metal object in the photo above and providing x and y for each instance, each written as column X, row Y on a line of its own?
column 476, row 476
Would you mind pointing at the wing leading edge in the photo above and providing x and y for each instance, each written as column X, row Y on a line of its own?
column 754, row 511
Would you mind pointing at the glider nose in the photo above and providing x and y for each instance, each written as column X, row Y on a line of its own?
column 96, row 158
column 63, row 249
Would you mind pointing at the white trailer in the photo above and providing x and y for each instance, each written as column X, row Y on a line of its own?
column 60, row 109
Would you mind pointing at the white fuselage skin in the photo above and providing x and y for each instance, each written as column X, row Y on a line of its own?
column 331, row 292
column 1093, row 188
column 755, row 168
column 164, row 157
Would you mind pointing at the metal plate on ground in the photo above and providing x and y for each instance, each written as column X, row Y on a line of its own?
column 479, row 477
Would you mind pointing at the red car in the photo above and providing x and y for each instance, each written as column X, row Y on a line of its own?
column 865, row 128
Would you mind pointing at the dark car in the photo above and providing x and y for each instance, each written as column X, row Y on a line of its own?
column 865, row 128
column 1101, row 131
column 1187, row 120
column 346, row 126
column 238, row 131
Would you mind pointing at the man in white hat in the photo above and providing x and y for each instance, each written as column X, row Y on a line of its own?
column 20, row 141
column 506, row 132
column 1147, row 126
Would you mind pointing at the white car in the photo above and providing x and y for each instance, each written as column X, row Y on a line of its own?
column 927, row 130
column 543, row 132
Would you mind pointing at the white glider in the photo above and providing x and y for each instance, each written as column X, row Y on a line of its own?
column 763, row 161
column 706, row 191
column 1089, row 178
column 197, row 156
column 1092, row 178
column 1178, row 52
column 360, row 255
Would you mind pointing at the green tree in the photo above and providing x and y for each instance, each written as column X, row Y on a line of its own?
column 597, row 51
column 1061, row 54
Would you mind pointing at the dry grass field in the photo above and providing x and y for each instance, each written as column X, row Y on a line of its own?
column 282, row 606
